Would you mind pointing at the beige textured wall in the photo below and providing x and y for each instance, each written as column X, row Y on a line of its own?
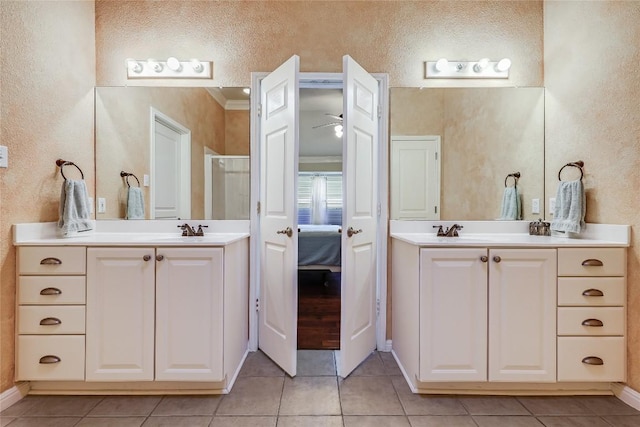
column 46, row 102
column 593, row 114
column 122, row 138
column 394, row 37
column 237, row 132
column 486, row 134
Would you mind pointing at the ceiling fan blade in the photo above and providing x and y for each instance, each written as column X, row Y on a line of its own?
column 327, row 125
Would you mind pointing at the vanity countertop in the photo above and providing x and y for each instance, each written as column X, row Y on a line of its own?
column 140, row 233
column 507, row 234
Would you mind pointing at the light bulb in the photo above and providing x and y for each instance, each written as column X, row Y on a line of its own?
column 136, row 67
column 246, row 90
column 155, row 65
column 481, row 65
column 174, row 64
column 442, row 64
column 197, row 65
column 338, row 128
column 503, row 65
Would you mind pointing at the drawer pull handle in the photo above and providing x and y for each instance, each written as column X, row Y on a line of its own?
column 592, row 263
column 592, row 360
column 593, row 293
column 593, row 322
column 50, row 321
column 50, row 261
column 50, row 291
column 49, row 359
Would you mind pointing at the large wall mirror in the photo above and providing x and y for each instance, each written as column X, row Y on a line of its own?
column 486, row 133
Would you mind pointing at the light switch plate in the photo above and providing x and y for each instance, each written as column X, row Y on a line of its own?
column 535, row 206
column 4, row 156
column 102, row 205
column 145, row 180
column 552, row 205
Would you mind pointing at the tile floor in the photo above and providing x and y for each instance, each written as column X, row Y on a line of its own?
column 374, row 395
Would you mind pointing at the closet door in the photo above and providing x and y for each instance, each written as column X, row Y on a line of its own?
column 360, row 216
column 278, row 300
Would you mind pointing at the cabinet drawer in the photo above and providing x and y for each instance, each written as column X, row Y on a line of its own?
column 51, row 319
column 591, row 291
column 51, row 260
column 592, row 261
column 65, row 351
column 51, row 290
column 573, row 354
column 603, row 321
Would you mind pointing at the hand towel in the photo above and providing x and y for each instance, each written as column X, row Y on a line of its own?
column 568, row 214
column 511, row 204
column 135, row 203
column 74, row 208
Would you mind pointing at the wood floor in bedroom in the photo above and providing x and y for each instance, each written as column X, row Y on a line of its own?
column 318, row 310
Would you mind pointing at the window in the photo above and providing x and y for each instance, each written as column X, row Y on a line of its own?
column 333, row 196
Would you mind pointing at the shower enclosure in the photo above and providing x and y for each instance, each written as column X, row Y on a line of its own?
column 228, row 189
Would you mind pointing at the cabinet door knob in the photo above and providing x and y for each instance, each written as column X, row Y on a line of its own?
column 593, row 322
column 48, row 359
column 146, row 257
column 50, row 261
column 592, row 263
column 484, row 258
column 593, row 293
column 497, row 258
column 592, row 360
column 50, row 321
column 159, row 257
column 50, row 291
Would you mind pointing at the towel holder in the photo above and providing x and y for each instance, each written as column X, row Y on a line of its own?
column 579, row 164
column 62, row 163
column 126, row 176
column 515, row 176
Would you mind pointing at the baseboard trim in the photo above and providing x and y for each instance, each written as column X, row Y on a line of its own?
column 628, row 395
column 13, row 395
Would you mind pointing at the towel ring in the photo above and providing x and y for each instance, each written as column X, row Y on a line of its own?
column 579, row 164
column 62, row 163
column 126, row 176
column 515, row 176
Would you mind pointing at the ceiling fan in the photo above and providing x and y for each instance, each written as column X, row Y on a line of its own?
column 337, row 118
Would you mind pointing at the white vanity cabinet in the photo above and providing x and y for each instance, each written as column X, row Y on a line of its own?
column 157, row 314
column 487, row 314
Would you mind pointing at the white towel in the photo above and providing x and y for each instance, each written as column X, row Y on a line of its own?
column 74, row 208
column 511, row 204
column 135, row 203
column 568, row 214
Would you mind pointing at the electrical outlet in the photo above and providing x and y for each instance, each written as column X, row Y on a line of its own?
column 535, row 206
column 145, row 180
column 4, row 157
column 552, row 205
column 102, row 205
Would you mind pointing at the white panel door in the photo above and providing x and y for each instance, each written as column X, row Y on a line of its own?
column 415, row 177
column 360, row 216
column 453, row 314
column 171, row 176
column 189, row 314
column 120, row 314
column 522, row 315
column 278, row 301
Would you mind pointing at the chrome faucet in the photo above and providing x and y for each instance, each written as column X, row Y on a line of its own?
column 453, row 230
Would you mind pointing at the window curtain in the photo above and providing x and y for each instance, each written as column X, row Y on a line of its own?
column 319, row 214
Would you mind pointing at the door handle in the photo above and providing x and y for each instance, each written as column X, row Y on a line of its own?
column 288, row 231
column 351, row 231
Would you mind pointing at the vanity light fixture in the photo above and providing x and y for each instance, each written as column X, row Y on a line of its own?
column 481, row 69
column 172, row 68
column 338, row 130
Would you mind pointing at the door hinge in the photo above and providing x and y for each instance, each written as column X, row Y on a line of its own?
column 379, row 111
column 379, row 209
column 378, row 307
column 258, row 208
column 435, row 209
column 257, row 304
column 259, row 110
column 436, row 153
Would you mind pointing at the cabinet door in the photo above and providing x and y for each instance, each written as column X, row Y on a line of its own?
column 453, row 315
column 189, row 314
column 120, row 314
column 522, row 315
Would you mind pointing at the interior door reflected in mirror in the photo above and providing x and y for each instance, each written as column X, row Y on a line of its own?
column 166, row 137
column 485, row 134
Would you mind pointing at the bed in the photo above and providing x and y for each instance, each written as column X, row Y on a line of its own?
column 319, row 247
